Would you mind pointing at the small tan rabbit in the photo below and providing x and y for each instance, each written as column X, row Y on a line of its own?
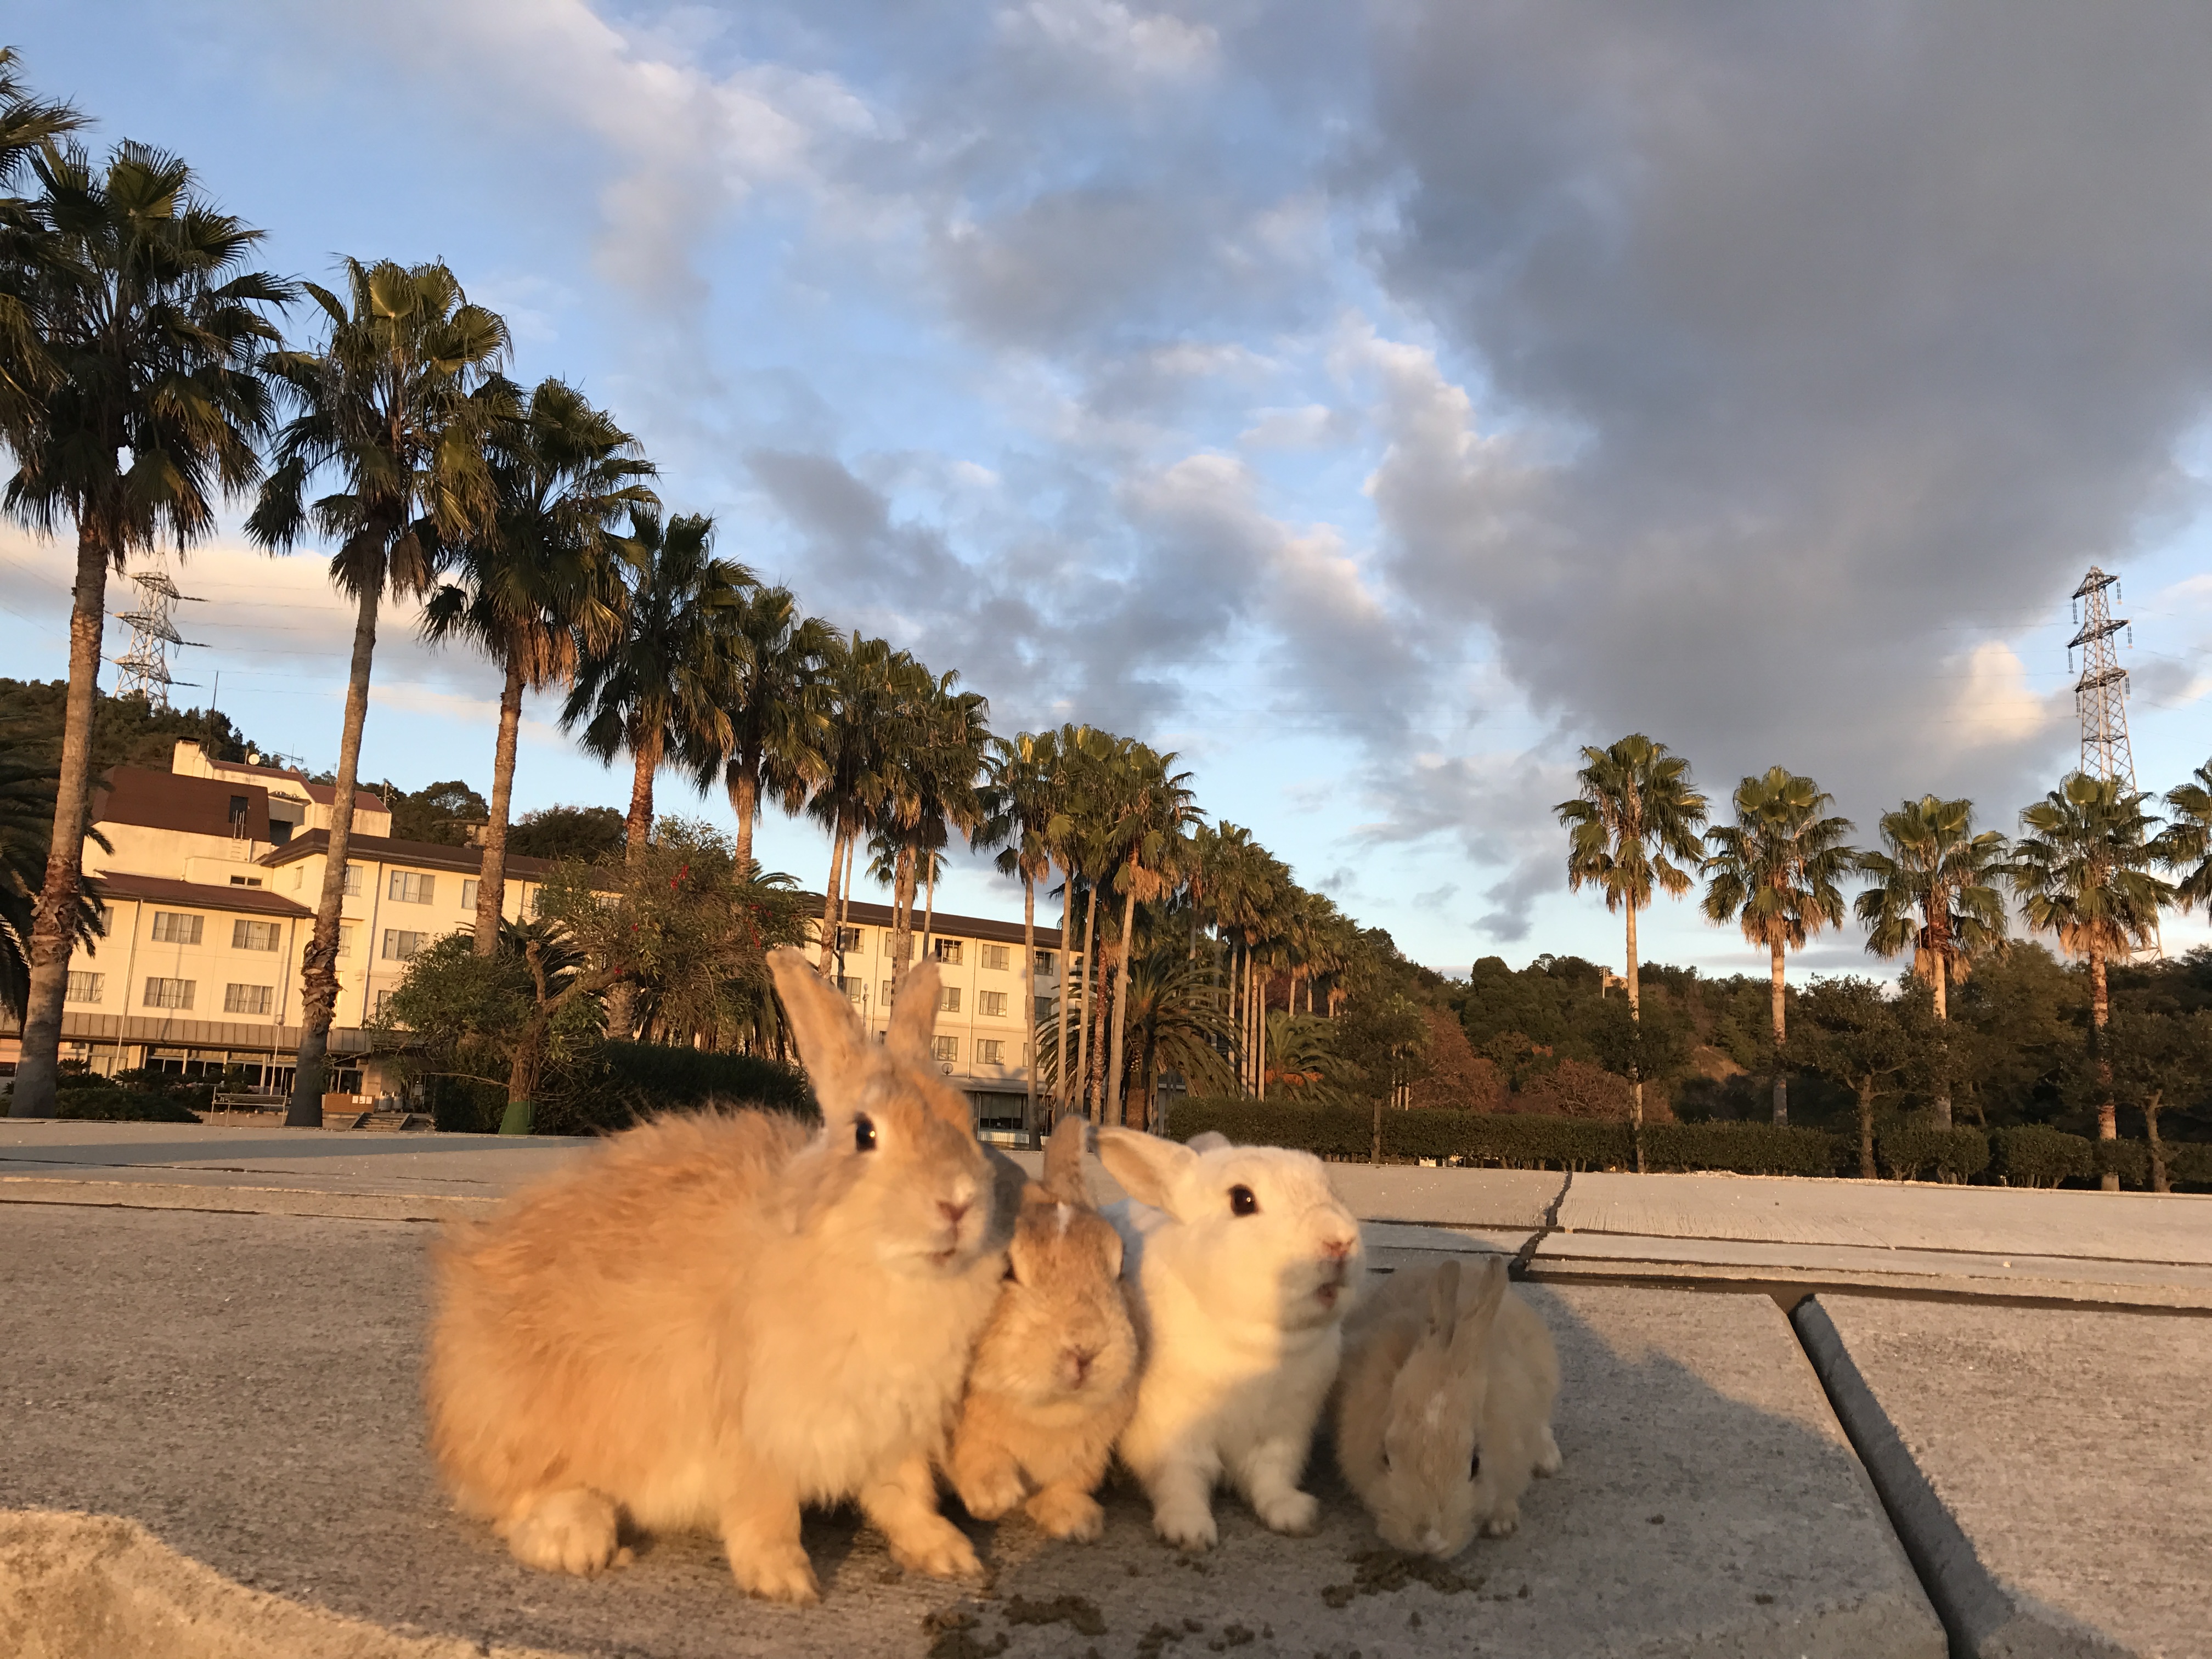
column 1055, row 1373
column 711, row 1320
column 1445, row 1406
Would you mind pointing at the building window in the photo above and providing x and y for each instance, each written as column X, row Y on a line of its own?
column 946, row 951
column 247, row 998
column 299, row 877
column 1044, row 1006
column 887, row 993
column 990, row 1051
column 253, row 936
column 849, row 938
column 854, row 989
column 383, row 1003
column 995, row 958
column 945, row 1048
column 280, row 831
column 900, row 949
column 239, row 806
column 469, row 889
column 1042, row 966
column 413, row 887
column 345, row 940
column 992, row 1004
column 401, row 944
column 353, row 881
column 174, row 927
column 245, row 881
column 948, row 999
column 169, row 993
column 87, row 988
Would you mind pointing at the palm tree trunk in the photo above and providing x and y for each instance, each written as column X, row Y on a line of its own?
column 1636, row 1032
column 1089, row 1000
column 1943, row 1039
column 319, row 986
column 745, row 801
column 1781, row 1081
column 928, row 905
column 1062, row 1089
column 1867, row 1170
column 1117, row 1108
column 830, row 898
column 1028, row 1001
column 2100, row 1009
column 491, row 883
column 38, row 1071
column 1260, row 1009
column 901, row 916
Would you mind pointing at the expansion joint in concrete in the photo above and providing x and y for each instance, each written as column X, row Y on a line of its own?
column 1525, row 1256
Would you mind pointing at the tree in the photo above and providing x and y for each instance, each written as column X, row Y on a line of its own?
column 1636, row 814
column 133, row 400
column 862, row 682
column 1848, row 1029
column 586, row 834
column 397, row 402
column 2186, row 845
column 2157, row 1058
column 441, row 814
column 649, row 690
column 2083, row 869
column 1934, row 894
column 932, row 760
column 1143, row 836
column 1021, row 796
column 773, row 698
column 27, row 785
column 1774, row 871
column 543, row 584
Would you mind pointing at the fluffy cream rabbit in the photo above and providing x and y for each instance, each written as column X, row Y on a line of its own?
column 1444, row 1409
column 1055, row 1373
column 1243, row 1265
column 713, row 1321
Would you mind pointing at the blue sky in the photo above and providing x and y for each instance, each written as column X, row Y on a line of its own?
column 1370, row 403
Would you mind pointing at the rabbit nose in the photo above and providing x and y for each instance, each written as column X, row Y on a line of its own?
column 1336, row 1249
column 1081, row 1359
column 951, row 1212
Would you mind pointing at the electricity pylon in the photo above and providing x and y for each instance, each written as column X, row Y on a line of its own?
column 145, row 661
column 2100, row 694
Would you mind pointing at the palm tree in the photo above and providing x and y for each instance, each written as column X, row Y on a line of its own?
column 1933, row 895
column 650, row 692
column 135, row 399
column 545, row 583
column 32, row 256
column 1018, row 801
column 861, row 683
column 2186, row 845
column 398, row 402
column 1144, row 834
column 27, row 782
column 2083, row 869
column 1635, row 815
column 930, row 786
column 772, row 695
column 1774, row 871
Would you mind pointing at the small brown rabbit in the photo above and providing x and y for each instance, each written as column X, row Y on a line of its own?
column 1055, row 1373
column 710, row 1320
column 1445, row 1406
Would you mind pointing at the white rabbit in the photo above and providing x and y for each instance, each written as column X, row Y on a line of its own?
column 1444, row 1410
column 713, row 1320
column 1243, row 1265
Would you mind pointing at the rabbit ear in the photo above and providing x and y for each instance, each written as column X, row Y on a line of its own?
column 1474, row 1322
column 1146, row 1165
column 1209, row 1140
column 1443, row 1299
column 913, row 1014
column 823, row 1025
column 1063, row 1163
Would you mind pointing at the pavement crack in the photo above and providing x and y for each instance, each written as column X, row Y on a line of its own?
column 1526, row 1255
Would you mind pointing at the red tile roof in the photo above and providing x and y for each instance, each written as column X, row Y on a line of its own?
column 171, row 800
column 430, row 855
column 160, row 889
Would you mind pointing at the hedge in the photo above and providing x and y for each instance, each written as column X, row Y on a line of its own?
column 2035, row 1155
column 106, row 1104
column 2189, row 1161
column 1514, row 1140
column 625, row 1082
column 1957, row 1154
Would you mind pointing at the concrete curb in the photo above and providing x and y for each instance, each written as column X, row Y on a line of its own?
column 1985, row 1618
column 240, row 1200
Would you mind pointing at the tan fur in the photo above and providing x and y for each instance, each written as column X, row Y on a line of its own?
column 712, row 1320
column 1440, row 1366
column 1055, row 1373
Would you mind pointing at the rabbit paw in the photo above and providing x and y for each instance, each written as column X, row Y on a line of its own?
column 572, row 1531
column 1503, row 1522
column 934, row 1546
column 1186, row 1527
column 776, row 1573
column 1293, row 1512
column 1548, row 1460
column 1067, row 1514
column 989, row 1493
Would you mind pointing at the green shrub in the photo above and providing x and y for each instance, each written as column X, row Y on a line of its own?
column 105, row 1104
column 622, row 1082
column 1342, row 1132
column 2189, row 1163
column 1955, row 1154
column 463, row 1105
column 1744, row 1148
column 2036, row 1155
column 2128, row 1160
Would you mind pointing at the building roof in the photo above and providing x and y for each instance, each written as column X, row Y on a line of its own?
column 364, row 800
column 171, row 800
column 860, row 914
column 161, row 889
column 429, row 855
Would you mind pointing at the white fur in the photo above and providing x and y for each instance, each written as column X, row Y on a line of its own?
column 1241, row 1319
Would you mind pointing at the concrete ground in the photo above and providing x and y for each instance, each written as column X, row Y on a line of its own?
column 216, row 1334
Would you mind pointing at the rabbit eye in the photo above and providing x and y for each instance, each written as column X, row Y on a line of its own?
column 1474, row 1468
column 863, row 1135
column 1243, row 1203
